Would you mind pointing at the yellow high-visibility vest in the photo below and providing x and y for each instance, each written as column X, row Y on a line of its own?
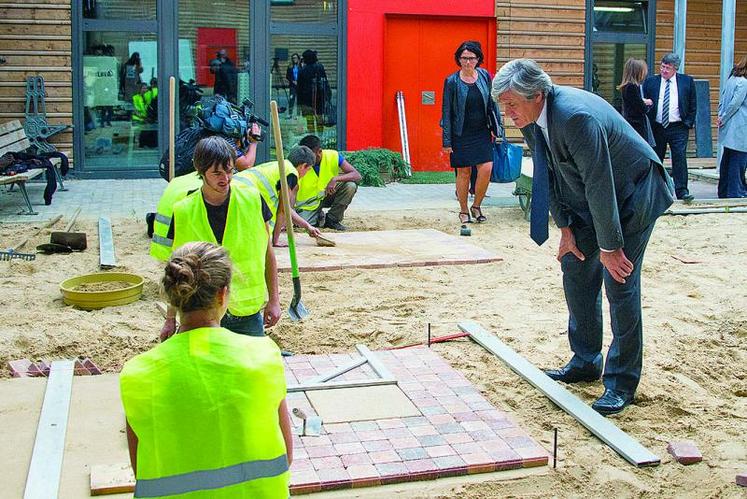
column 311, row 186
column 245, row 237
column 204, row 406
column 160, row 244
column 265, row 178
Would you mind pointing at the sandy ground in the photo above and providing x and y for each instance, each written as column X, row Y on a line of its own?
column 695, row 370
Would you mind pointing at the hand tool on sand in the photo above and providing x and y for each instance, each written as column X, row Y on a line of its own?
column 66, row 241
column 465, row 231
column 297, row 311
column 323, row 241
column 311, row 426
column 12, row 253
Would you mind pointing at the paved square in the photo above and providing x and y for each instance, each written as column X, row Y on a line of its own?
column 456, row 430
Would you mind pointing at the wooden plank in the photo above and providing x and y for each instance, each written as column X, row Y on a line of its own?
column 43, row 479
column 107, row 259
column 603, row 428
column 10, row 126
column 112, row 479
column 12, row 137
column 375, row 363
column 21, row 177
column 340, row 371
column 306, row 387
column 16, row 147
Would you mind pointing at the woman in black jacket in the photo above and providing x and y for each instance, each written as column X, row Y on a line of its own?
column 634, row 106
column 469, row 118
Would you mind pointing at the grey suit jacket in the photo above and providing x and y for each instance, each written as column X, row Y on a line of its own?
column 732, row 108
column 602, row 173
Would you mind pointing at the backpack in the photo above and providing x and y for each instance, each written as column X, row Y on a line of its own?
column 185, row 144
column 218, row 115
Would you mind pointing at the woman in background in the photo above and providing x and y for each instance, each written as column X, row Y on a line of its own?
column 205, row 409
column 634, row 106
column 732, row 133
column 292, row 76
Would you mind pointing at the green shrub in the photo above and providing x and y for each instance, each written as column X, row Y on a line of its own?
column 377, row 165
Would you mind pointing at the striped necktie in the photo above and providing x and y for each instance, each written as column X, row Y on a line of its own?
column 665, row 106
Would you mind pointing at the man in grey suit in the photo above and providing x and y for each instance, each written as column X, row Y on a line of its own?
column 605, row 188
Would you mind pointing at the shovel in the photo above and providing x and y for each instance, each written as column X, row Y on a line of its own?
column 296, row 311
column 66, row 241
column 12, row 253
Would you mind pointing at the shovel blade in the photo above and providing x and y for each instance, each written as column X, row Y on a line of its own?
column 297, row 311
column 74, row 240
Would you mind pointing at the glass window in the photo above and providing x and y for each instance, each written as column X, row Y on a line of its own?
column 304, row 11
column 132, row 10
column 617, row 16
column 303, row 81
column 120, row 100
column 607, row 67
column 213, row 53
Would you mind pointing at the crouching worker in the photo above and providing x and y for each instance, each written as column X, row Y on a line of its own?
column 206, row 411
column 235, row 216
column 266, row 179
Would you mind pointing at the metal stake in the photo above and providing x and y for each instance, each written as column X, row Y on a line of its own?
column 429, row 335
column 555, row 449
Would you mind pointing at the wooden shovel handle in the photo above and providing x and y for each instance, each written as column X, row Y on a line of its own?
column 72, row 220
column 45, row 226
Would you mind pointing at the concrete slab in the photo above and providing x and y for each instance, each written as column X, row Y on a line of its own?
column 345, row 405
column 385, row 248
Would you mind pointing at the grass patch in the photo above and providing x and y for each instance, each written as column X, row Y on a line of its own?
column 429, row 178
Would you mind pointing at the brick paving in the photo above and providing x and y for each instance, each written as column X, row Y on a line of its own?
column 466, row 435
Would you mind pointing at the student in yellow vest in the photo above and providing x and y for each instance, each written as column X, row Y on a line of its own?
column 158, row 222
column 141, row 101
column 266, row 178
column 331, row 183
column 206, row 411
column 235, row 216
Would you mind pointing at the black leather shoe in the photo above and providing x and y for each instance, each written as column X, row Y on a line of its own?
column 570, row 374
column 612, row 402
column 334, row 225
column 688, row 198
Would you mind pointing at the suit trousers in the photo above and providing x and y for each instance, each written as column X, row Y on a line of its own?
column 582, row 284
column 676, row 136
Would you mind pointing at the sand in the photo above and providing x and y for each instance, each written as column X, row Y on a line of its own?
column 694, row 383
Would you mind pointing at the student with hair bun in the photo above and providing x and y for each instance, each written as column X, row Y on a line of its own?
column 206, row 411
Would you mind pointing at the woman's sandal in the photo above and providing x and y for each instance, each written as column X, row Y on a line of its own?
column 464, row 218
column 477, row 214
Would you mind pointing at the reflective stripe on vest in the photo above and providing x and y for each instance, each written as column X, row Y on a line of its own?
column 208, row 433
column 267, row 185
column 161, row 244
column 311, row 187
column 211, row 479
column 245, row 237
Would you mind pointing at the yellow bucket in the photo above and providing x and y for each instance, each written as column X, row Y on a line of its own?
column 90, row 300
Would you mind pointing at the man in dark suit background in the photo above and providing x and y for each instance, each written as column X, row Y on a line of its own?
column 605, row 188
column 672, row 116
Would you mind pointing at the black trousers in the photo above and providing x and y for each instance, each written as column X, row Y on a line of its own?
column 676, row 136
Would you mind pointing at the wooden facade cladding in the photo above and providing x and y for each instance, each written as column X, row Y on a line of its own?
column 36, row 39
column 552, row 32
column 702, row 42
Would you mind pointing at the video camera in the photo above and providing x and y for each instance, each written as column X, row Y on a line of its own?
column 246, row 111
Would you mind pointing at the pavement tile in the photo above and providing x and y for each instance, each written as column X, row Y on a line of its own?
column 321, row 451
column 344, row 438
column 393, row 433
column 351, row 448
column 482, row 435
column 416, row 421
column 385, row 456
column 467, row 448
column 461, row 417
column 349, row 460
column 440, row 451
column 420, row 431
column 458, row 438
column 412, row 453
column 301, row 464
column 519, row 442
column 448, row 462
column 387, row 424
column 377, row 445
column 307, row 478
column 452, row 428
column 364, row 476
column 338, row 428
column 326, row 462
column 359, row 426
column 393, row 473
column 367, row 436
column 438, row 419
column 741, row 479
column 321, row 440
column 431, row 440
column 430, row 411
column 685, row 452
column 404, row 443
column 334, row 479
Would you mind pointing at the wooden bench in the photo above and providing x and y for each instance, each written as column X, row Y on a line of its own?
column 13, row 139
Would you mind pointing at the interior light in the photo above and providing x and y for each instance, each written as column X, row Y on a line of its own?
column 603, row 8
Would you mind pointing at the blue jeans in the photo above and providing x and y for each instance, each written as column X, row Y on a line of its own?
column 250, row 325
column 676, row 136
column 582, row 283
column 731, row 182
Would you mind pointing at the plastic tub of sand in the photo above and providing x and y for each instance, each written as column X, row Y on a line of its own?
column 103, row 289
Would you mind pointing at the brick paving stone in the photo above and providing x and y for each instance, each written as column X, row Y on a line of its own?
column 685, row 452
column 501, row 424
column 474, row 469
column 412, row 453
column 321, row 440
column 344, row 438
column 458, row 407
column 367, row 436
column 385, row 456
column 519, row 442
column 439, row 419
column 322, row 451
column 305, row 481
column 460, row 417
column 482, row 435
column 327, row 462
column 301, row 464
column 387, row 424
column 334, row 479
column 392, row 433
column 392, row 473
column 430, row 411
column 467, row 448
column 451, row 428
column 420, row 465
column 446, row 462
column 458, row 438
column 364, row 475
column 338, row 428
column 431, row 440
column 416, row 395
column 440, row 451
column 351, row 448
column 514, row 431
column 404, row 443
column 474, row 425
column 359, row 426
column 420, row 431
column 494, row 445
column 377, row 445
column 299, row 452
column 741, row 479
column 508, row 458
column 409, row 386
column 476, row 458
column 415, row 421
column 349, row 460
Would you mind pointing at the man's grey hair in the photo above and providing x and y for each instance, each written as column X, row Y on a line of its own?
column 522, row 76
column 300, row 155
column 672, row 59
